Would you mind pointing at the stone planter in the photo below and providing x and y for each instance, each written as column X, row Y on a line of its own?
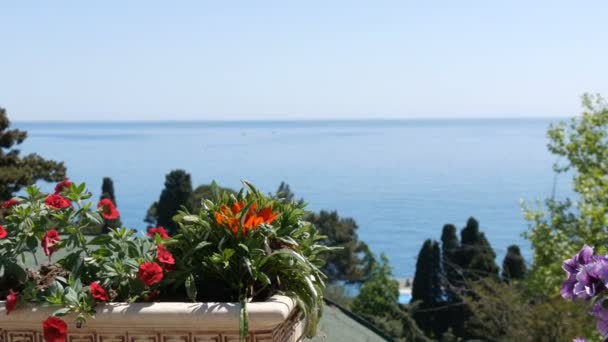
column 273, row 320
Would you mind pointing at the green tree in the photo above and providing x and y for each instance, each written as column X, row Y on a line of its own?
column 449, row 248
column 513, row 265
column 201, row 193
column 501, row 311
column 426, row 288
column 559, row 230
column 378, row 302
column 177, row 193
column 16, row 171
column 476, row 258
column 352, row 263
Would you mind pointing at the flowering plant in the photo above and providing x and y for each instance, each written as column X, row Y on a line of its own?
column 588, row 280
column 244, row 247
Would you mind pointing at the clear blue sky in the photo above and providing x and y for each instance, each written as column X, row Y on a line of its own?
column 152, row 60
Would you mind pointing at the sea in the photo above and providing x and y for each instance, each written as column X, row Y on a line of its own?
column 401, row 180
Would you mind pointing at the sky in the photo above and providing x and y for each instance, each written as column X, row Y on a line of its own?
column 283, row 60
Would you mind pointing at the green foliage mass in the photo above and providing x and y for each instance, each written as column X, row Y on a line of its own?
column 351, row 263
column 501, row 311
column 176, row 194
column 559, row 229
column 17, row 172
column 513, row 265
column 377, row 302
column 426, row 288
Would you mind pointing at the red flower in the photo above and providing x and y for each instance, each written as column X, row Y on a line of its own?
column 108, row 209
column 57, row 202
column 164, row 256
column 3, row 232
column 98, row 292
column 9, row 203
column 11, row 301
column 54, row 329
column 50, row 239
column 63, row 185
column 150, row 273
column 160, row 230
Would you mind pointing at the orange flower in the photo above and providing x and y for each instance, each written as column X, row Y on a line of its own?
column 237, row 207
column 268, row 215
column 253, row 219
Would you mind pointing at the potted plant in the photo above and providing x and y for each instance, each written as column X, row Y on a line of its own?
column 246, row 266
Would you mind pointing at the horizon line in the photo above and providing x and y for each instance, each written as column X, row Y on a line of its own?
column 262, row 120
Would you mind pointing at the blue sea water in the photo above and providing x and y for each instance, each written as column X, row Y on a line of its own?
column 400, row 180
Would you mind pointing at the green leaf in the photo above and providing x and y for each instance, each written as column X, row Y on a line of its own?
column 191, row 288
column 201, row 245
column 95, row 218
column 100, row 240
column 62, row 312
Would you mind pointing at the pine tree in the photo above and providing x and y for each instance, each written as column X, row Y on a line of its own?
column 427, row 286
column 513, row 265
column 107, row 191
column 177, row 193
column 17, row 172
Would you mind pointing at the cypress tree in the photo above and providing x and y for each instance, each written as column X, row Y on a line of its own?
column 107, row 191
column 427, row 287
column 449, row 262
column 513, row 265
column 476, row 256
column 177, row 193
column 17, row 172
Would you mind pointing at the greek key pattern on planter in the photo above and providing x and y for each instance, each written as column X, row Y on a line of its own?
column 285, row 332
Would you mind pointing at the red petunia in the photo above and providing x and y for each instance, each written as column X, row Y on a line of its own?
column 108, row 209
column 57, row 202
column 54, row 329
column 63, row 185
column 98, row 292
column 160, row 230
column 11, row 301
column 164, row 256
column 49, row 242
column 150, row 273
column 3, row 232
column 10, row 203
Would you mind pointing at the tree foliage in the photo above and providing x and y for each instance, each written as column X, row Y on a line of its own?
column 17, row 172
column 176, row 194
column 378, row 302
column 353, row 261
column 503, row 311
column 558, row 230
column 513, row 265
column 475, row 257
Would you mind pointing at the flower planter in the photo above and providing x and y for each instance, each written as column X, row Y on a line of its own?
column 273, row 320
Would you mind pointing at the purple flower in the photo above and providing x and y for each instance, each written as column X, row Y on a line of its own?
column 601, row 313
column 587, row 275
column 583, row 257
column 579, row 339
